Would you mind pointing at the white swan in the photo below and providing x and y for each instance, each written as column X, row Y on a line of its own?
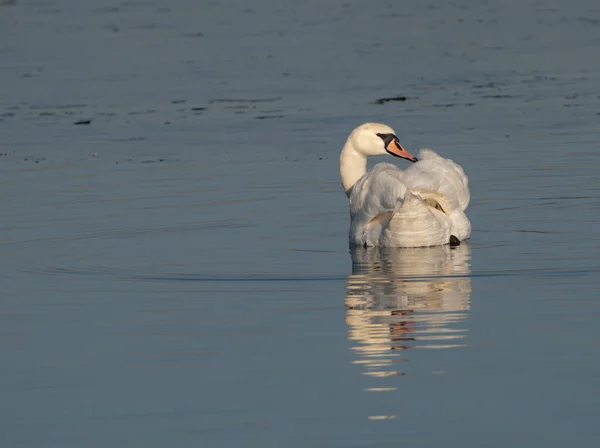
column 421, row 206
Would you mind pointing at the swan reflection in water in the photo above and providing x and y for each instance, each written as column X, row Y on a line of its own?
column 401, row 298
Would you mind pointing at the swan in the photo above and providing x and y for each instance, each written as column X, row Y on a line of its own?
column 423, row 205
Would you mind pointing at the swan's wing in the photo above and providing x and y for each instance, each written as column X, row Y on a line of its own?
column 373, row 200
column 378, row 191
column 433, row 172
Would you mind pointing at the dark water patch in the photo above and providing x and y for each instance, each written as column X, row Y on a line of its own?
column 153, row 161
column 567, row 197
column 589, row 21
column 133, row 4
column 198, row 109
column 548, row 232
column 155, row 26
column 59, row 106
column 34, row 159
column 245, row 100
column 498, row 96
column 130, row 161
column 112, row 27
column 178, row 101
column 489, row 85
column 82, row 122
column 539, row 79
column 240, row 107
column 128, row 139
column 142, row 112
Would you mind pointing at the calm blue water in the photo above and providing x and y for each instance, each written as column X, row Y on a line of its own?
column 177, row 272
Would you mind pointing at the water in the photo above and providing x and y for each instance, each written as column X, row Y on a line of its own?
column 176, row 272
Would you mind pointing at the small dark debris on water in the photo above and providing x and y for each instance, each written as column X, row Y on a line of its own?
column 83, row 122
column 167, row 122
column 198, row 109
column 320, row 158
column 33, row 159
column 390, row 99
column 264, row 117
column 153, row 161
column 489, row 85
column 178, row 101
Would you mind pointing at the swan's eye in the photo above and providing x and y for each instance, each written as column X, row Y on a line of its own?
column 387, row 138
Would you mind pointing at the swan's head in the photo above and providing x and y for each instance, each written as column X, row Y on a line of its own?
column 375, row 139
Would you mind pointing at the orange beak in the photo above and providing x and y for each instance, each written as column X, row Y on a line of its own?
column 395, row 148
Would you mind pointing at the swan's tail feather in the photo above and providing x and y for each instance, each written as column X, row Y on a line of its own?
column 434, row 200
column 418, row 221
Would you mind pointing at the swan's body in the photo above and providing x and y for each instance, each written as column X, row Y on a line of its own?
column 421, row 206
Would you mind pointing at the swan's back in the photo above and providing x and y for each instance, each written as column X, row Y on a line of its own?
column 433, row 172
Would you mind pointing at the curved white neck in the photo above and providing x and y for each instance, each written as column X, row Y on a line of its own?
column 353, row 165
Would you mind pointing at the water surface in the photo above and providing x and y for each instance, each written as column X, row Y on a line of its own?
column 175, row 267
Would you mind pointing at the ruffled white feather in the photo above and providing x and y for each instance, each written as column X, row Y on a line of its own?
column 421, row 206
